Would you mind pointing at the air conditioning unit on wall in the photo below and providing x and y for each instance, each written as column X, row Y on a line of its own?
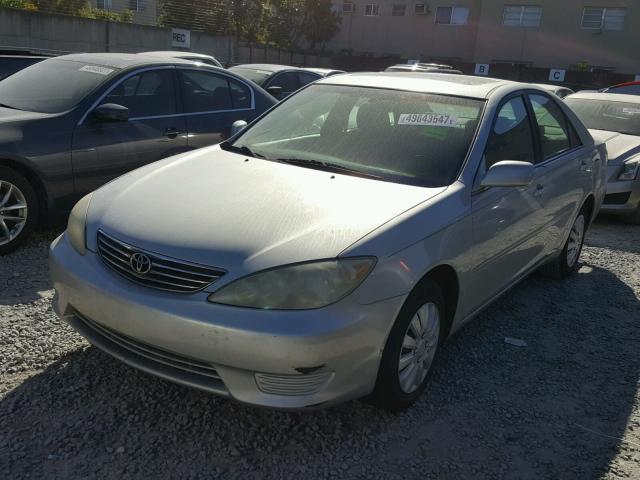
column 422, row 9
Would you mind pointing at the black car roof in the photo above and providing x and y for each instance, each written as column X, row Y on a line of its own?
column 122, row 60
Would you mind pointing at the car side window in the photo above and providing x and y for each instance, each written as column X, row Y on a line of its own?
column 240, row 94
column 288, row 81
column 511, row 137
column 552, row 125
column 626, row 89
column 305, row 78
column 147, row 94
column 204, row 91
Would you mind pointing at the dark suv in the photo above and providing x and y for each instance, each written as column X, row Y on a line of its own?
column 70, row 124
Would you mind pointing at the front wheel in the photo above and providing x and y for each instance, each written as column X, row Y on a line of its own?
column 567, row 262
column 411, row 349
column 18, row 209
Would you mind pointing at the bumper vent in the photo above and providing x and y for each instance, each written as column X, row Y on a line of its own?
column 153, row 270
column 292, row 384
column 151, row 359
column 617, row 198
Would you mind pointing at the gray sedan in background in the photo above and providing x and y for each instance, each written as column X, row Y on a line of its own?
column 327, row 251
column 614, row 119
column 70, row 124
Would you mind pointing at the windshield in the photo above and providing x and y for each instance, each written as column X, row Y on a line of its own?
column 403, row 137
column 52, row 86
column 621, row 117
column 257, row 76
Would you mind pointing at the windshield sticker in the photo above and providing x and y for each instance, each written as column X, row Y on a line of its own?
column 631, row 111
column 95, row 69
column 429, row 119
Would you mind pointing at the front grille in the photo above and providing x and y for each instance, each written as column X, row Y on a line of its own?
column 157, row 355
column 617, row 198
column 164, row 273
column 292, row 384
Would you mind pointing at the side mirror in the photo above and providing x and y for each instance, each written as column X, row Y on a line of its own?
column 237, row 127
column 274, row 90
column 111, row 112
column 509, row 173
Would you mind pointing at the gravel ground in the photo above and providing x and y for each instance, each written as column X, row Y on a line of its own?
column 565, row 406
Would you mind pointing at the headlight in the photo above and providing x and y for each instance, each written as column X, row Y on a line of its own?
column 629, row 171
column 76, row 226
column 297, row 287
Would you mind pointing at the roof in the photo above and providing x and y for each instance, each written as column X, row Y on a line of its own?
column 605, row 97
column 176, row 54
column 460, row 85
column 270, row 67
column 323, row 71
column 121, row 60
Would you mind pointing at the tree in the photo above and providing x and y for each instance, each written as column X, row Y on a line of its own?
column 249, row 19
column 199, row 15
column 322, row 23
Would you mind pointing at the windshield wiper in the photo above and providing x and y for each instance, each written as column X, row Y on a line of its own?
column 329, row 167
column 244, row 150
column 8, row 106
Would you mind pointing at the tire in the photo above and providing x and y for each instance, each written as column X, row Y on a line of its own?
column 568, row 261
column 15, row 191
column 394, row 390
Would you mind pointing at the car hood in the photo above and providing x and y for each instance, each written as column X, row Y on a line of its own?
column 221, row 209
column 620, row 147
column 10, row 115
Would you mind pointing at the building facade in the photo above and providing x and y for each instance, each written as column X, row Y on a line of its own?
column 144, row 11
column 562, row 34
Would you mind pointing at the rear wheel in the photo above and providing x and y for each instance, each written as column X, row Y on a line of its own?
column 18, row 209
column 411, row 349
column 567, row 262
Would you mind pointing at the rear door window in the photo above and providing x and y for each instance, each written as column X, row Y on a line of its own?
column 511, row 137
column 205, row 91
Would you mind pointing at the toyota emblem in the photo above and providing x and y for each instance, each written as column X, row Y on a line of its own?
column 140, row 263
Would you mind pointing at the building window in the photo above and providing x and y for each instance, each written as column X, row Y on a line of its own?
column 371, row 10
column 601, row 18
column 421, row 9
column 522, row 16
column 347, row 7
column 399, row 10
column 137, row 5
column 452, row 15
column 104, row 4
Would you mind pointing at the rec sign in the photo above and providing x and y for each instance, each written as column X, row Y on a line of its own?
column 180, row 38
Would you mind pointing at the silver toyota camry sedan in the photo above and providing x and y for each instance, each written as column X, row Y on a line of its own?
column 328, row 250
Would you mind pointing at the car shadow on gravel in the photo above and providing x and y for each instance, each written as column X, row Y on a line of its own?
column 24, row 273
column 553, row 409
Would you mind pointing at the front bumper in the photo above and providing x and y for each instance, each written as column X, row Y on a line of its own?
column 288, row 360
column 622, row 197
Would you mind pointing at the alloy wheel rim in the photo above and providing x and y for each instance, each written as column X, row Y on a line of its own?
column 419, row 346
column 13, row 212
column 575, row 241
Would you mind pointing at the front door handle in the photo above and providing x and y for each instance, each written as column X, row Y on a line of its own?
column 171, row 133
column 585, row 166
column 538, row 191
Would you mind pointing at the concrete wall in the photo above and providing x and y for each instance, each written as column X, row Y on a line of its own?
column 66, row 34
column 265, row 54
column 559, row 42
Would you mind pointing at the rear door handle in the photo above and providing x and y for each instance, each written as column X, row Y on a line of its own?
column 171, row 132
